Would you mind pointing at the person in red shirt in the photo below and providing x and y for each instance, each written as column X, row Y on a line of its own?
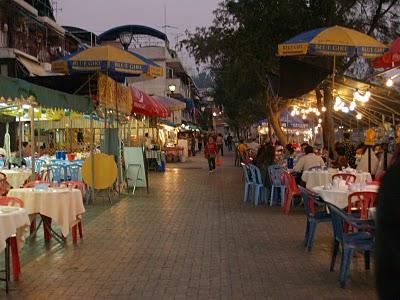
column 210, row 152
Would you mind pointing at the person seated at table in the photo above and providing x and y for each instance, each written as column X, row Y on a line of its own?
column 26, row 149
column 308, row 161
column 301, row 153
column 362, row 164
column 265, row 158
column 340, row 161
column 387, row 242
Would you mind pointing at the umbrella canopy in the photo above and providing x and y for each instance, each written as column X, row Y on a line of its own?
column 391, row 58
column 333, row 41
column 145, row 105
column 170, row 103
column 114, row 62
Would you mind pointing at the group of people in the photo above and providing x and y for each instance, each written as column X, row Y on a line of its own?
column 304, row 157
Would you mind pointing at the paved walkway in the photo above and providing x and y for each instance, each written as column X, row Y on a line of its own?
column 190, row 238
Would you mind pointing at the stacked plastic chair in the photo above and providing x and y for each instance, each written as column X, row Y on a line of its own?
column 56, row 172
column 258, row 186
column 12, row 241
column 359, row 241
column 275, row 176
column 316, row 213
column 291, row 191
column 248, row 183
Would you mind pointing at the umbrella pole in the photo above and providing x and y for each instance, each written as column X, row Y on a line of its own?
column 92, row 131
column 20, row 137
column 329, row 131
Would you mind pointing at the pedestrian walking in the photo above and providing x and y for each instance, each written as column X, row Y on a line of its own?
column 210, row 152
column 229, row 141
column 200, row 141
column 220, row 144
column 193, row 145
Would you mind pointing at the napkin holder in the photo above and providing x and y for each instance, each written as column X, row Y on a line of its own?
column 41, row 187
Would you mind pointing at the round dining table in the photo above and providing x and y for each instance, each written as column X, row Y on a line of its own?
column 323, row 177
column 13, row 220
column 17, row 178
column 63, row 205
column 339, row 197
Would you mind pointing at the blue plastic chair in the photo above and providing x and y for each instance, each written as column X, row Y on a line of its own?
column 28, row 161
column 38, row 165
column 74, row 172
column 258, row 186
column 56, row 173
column 248, row 183
column 275, row 174
column 357, row 241
column 316, row 213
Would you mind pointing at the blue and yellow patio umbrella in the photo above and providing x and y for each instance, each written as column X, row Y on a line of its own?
column 114, row 62
column 332, row 41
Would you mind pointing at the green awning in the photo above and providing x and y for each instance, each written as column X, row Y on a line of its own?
column 48, row 98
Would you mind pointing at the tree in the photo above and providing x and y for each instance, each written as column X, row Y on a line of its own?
column 240, row 46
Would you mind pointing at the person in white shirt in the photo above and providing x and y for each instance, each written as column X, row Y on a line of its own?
column 309, row 160
column 362, row 164
column 147, row 141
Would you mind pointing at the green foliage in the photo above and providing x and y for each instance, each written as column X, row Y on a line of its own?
column 240, row 47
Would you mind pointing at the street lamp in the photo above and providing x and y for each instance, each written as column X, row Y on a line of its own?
column 172, row 88
column 125, row 38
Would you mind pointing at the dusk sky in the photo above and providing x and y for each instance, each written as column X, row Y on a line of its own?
column 100, row 15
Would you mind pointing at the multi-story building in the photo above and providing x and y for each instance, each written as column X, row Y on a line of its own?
column 175, row 82
column 30, row 38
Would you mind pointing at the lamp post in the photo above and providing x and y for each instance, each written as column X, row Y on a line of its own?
column 172, row 88
column 125, row 38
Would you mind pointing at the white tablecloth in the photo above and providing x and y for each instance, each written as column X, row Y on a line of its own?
column 13, row 223
column 62, row 205
column 320, row 178
column 17, row 178
column 338, row 197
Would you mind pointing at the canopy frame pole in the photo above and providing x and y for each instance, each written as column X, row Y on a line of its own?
column 33, row 141
column 20, row 137
column 92, row 135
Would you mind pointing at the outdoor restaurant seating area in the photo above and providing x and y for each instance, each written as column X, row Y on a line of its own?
column 345, row 198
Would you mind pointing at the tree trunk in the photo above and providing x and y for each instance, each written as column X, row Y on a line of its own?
column 273, row 119
column 328, row 132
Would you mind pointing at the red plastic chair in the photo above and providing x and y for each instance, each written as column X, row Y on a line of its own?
column 361, row 202
column 13, row 201
column 349, row 178
column 82, row 187
column 291, row 190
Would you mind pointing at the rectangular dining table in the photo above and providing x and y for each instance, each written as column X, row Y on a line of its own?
column 63, row 205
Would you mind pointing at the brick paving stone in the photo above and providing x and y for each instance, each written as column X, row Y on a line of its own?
column 191, row 237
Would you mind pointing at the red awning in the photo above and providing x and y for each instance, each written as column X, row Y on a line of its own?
column 391, row 58
column 145, row 105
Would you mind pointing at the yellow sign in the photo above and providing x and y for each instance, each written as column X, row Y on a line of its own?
column 105, row 170
column 370, row 137
column 112, row 94
column 398, row 136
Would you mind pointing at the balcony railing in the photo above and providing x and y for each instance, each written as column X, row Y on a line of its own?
column 29, row 46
